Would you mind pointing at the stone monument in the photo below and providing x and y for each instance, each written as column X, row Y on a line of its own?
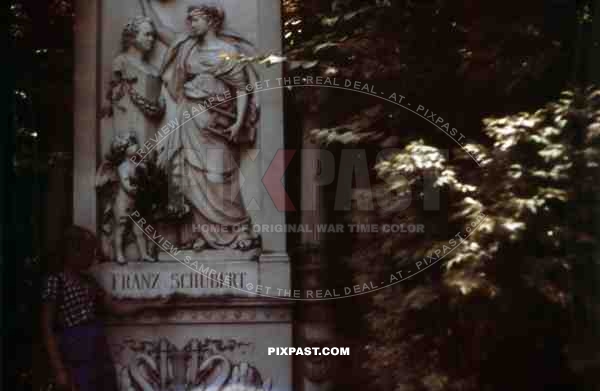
column 144, row 71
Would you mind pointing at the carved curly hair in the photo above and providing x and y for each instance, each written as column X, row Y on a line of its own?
column 131, row 30
column 213, row 13
column 119, row 145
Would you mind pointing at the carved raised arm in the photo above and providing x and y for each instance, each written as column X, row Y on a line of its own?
column 165, row 34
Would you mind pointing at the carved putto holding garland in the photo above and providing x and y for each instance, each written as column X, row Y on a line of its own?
column 135, row 107
column 117, row 181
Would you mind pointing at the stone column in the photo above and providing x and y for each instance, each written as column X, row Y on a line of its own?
column 85, row 122
column 315, row 324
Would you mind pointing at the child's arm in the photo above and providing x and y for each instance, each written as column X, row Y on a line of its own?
column 61, row 373
column 51, row 297
column 50, row 341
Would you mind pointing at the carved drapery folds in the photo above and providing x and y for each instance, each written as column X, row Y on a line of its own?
column 208, row 274
column 203, row 209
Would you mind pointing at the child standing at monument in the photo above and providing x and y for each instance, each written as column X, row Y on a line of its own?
column 73, row 334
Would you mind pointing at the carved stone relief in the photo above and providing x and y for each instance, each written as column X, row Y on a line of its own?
column 201, row 365
column 214, row 315
column 134, row 97
column 201, row 154
column 118, row 181
column 196, row 181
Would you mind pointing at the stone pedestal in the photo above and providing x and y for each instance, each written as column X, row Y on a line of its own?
column 216, row 333
column 214, row 317
column 167, row 350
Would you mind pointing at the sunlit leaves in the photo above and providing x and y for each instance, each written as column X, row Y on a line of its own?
column 358, row 129
column 22, row 21
column 525, row 248
column 524, row 183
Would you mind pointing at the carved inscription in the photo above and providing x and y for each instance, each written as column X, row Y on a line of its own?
column 173, row 281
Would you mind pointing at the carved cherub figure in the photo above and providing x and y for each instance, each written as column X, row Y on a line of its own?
column 117, row 179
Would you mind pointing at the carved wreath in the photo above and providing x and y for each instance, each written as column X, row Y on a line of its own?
column 122, row 86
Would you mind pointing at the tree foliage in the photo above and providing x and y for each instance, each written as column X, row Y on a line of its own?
column 514, row 293
column 462, row 60
column 509, row 298
column 41, row 64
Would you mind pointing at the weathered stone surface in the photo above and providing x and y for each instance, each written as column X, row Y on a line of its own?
column 190, row 275
column 149, row 281
column 213, row 324
column 174, row 360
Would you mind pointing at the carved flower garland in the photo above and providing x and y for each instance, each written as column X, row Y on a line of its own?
column 123, row 86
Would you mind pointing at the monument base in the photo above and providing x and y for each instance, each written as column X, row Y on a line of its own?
column 218, row 274
column 211, row 323
column 166, row 351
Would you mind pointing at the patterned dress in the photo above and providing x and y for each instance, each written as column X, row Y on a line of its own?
column 82, row 341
